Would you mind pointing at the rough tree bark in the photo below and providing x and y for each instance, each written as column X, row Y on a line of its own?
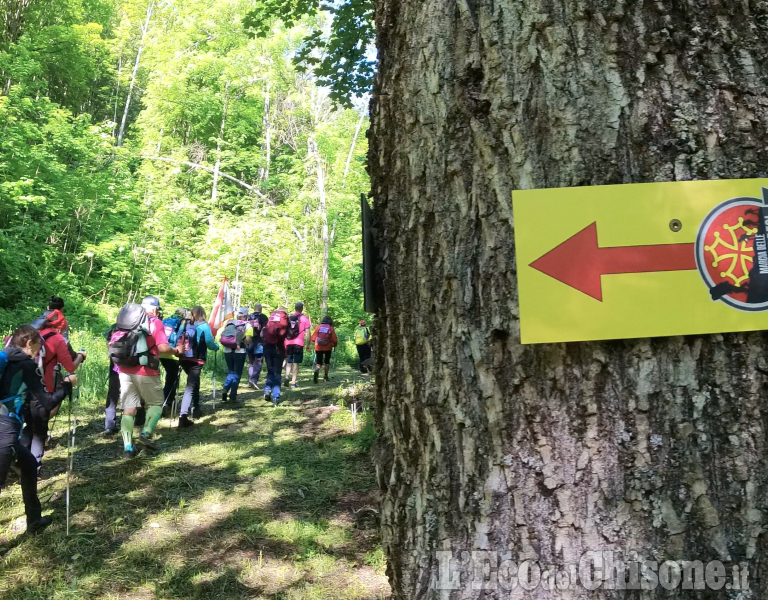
column 655, row 445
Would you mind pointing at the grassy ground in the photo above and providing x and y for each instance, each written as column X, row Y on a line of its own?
column 253, row 502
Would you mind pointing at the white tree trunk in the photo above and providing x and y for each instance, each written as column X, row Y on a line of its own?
column 144, row 30
column 352, row 150
column 267, row 139
column 217, row 166
column 547, row 452
column 319, row 166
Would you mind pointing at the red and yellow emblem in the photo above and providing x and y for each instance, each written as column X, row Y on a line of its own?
column 727, row 254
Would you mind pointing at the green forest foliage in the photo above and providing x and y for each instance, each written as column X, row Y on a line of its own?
column 101, row 216
column 342, row 59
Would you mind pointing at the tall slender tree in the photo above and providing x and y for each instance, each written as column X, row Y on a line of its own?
column 135, row 72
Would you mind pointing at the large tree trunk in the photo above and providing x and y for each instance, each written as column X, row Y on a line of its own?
column 547, row 452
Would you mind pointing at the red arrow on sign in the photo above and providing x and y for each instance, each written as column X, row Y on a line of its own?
column 580, row 263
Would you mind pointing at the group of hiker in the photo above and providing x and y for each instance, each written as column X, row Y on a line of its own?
column 32, row 387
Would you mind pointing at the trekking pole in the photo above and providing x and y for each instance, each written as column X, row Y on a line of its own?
column 72, row 427
column 176, row 397
column 56, row 380
column 165, row 402
column 215, row 356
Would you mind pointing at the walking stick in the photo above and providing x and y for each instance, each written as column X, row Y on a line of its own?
column 215, row 356
column 72, row 426
column 56, row 380
column 175, row 397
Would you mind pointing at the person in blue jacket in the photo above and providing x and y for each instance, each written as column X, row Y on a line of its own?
column 197, row 340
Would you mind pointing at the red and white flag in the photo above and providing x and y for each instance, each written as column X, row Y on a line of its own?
column 222, row 308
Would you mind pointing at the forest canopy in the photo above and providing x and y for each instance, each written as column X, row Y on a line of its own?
column 157, row 146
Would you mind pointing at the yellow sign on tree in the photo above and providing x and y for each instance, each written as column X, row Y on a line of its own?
column 642, row 260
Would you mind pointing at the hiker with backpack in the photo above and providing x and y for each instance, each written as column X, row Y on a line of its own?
column 273, row 337
column 56, row 352
column 258, row 322
column 54, row 316
column 21, row 382
column 172, row 327
column 135, row 347
column 235, row 336
column 193, row 344
column 299, row 326
column 363, row 343
column 113, row 390
column 113, row 395
column 325, row 340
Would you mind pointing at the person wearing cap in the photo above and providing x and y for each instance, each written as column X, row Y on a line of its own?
column 363, row 343
column 143, row 382
column 235, row 357
column 294, row 348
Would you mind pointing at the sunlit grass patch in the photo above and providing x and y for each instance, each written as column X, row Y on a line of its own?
column 252, row 503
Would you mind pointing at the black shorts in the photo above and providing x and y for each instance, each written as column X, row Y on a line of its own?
column 294, row 354
column 323, row 354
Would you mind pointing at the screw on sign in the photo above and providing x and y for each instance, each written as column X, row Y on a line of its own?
column 642, row 260
column 732, row 253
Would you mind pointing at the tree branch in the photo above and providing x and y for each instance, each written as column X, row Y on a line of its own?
column 239, row 182
column 187, row 163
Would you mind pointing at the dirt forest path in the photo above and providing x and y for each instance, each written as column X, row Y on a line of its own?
column 253, row 502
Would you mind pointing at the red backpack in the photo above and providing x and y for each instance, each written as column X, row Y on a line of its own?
column 324, row 336
column 276, row 329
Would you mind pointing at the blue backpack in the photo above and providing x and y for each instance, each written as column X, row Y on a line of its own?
column 171, row 327
column 191, row 335
column 11, row 407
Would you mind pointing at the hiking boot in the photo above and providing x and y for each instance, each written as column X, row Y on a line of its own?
column 197, row 412
column 185, row 422
column 36, row 527
column 316, row 375
column 293, row 386
column 129, row 454
column 286, row 381
column 224, row 397
column 267, row 397
column 325, row 378
column 145, row 441
column 276, row 401
column 109, row 432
